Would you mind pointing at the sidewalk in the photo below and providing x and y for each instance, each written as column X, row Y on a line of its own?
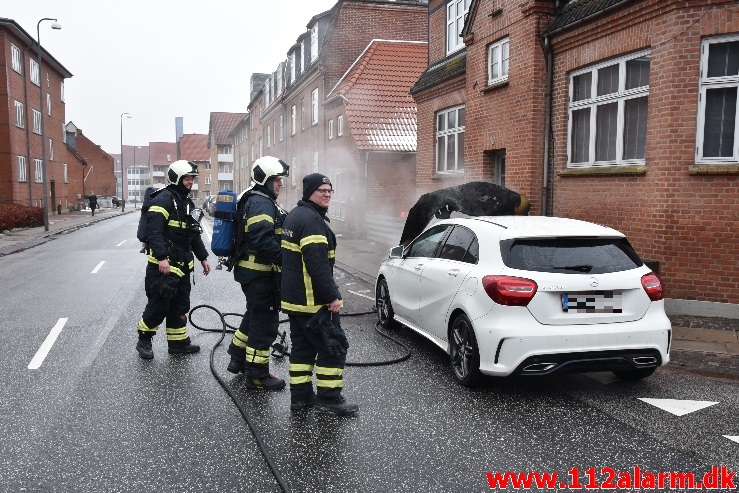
column 704, row 345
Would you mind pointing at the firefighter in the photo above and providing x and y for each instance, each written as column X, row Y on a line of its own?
column 172, row 235
column 258, row 271
column 308, row 248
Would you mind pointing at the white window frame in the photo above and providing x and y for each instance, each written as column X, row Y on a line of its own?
column 302, row 113
column 282, row 127
column 36, row 121
column 16, row 55
column 33, row 69
column 61, row 97
column 314, row 107
column 619, row 97
column 331, row 129
column 293, row 119
column 207, row 180
column 445, row 136
column 314, row 162
column 705, row 85
column 269, row 136
column 66, row 174
column 38, row 170
column 313, row 43
column 498, row 54
column 291, row 61
column 22, row 169
column 456, row 12
column 19, row 115
column 340, row 125
column 51, row 150
column 48, row 103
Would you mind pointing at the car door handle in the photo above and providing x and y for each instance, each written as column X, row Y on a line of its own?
column 453, row 272
column 418, row 267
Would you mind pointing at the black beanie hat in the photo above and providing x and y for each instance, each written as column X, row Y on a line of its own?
column 312, row 182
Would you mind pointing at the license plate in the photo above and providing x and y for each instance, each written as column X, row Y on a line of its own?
column 592, row 302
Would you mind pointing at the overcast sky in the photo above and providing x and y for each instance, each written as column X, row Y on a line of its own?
column 160, row 59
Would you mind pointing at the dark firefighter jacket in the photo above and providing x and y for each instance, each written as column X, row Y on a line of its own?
column 169, row 234
column 308, row 249
column 262, row 224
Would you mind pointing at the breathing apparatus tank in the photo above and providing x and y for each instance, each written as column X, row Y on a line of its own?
column 223, row 226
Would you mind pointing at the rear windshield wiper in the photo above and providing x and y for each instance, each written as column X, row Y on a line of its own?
column 579, row 268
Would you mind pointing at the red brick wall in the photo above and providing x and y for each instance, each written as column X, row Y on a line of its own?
column 684, row 220
column 101, row 179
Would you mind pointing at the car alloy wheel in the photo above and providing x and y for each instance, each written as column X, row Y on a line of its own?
column 465, row 356
column 384, row 307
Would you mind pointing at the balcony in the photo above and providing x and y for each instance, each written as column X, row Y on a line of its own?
column 158, row 174
column 225, row 158
column 225, row 176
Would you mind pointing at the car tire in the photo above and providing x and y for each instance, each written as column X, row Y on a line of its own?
column 634, row 373
column 385, row 315
column 463, row 352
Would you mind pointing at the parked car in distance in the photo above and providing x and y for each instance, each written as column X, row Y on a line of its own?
column 527, row 295
column 116, row 201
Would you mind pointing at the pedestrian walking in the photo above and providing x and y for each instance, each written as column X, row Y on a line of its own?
column 93, row 202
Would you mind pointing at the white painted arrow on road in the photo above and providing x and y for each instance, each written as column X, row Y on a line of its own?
column 678, row 407
column 732, row 438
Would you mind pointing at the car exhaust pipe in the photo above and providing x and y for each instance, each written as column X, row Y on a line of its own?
column 539, row 367
column 644, row 360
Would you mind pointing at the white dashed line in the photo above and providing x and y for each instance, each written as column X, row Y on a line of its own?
column 97, row 268
column 362, row 295
column 121, row 243
column 46, row 346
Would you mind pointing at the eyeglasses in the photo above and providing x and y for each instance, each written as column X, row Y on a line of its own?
column 324, row 191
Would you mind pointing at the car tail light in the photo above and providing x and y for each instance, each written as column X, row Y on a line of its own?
column 510, row 291
column 653, row 286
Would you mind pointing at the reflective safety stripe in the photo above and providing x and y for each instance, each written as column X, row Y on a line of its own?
column 294, row 367
column 160, row 210
column 278, row 231
column 301, row 373
column 175, row 270
column 329, row 384
column 325, row 370
column 177, row 224
column 251, row 263
column 176, row 333
column 289, row 245
column 318, row 239
column 331, row 253
column 301, row 379
column 308, row 283
column 300, row 308
column 239, row 339
column 259, row 218
column 145, row 328
column 258, row 356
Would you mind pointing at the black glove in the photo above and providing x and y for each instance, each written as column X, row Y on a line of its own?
column 165, row 286
column 331, row 334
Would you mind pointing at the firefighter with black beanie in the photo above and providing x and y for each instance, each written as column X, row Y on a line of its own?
column 257, row 269
column 172, row 236
column 308, row 249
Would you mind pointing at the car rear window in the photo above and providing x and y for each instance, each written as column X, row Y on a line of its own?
column 570, row 255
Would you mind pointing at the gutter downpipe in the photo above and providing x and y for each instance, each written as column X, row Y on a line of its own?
column 547, row 126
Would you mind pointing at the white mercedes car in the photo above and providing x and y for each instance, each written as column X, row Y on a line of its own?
column 527, row 295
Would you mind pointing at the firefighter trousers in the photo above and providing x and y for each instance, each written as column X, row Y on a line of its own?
column 158, row 309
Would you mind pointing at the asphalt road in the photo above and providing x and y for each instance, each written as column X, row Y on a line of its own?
column 91, row 416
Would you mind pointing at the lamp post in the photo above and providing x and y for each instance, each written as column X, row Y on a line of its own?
column 123, row 167
column 45, row 201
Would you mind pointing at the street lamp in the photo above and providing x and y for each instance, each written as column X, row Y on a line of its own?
column 54, row 25
column 123, row 173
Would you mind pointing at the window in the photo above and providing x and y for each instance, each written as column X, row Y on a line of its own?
column 331, row 128
column 66, row 174
column 278, row 79
column 51, row 150
column 266, row 91
column 16, row 54
column 38, row 170
column 293, row 118
column 253, row 155
column 36, row 121
column 48, row 103
column 19, row 114
column 291, row 62
column 718, row 133
column 302, row 58
column 461, row 245
column 608, row 113
column 314, row 107
column 207, row 180
column 498, row 62
column 499, row 168
column 314, row 43
column 425, row 245
column 340, row 125
column 282, row 128
column 314, row 163
column 22, row 171
column 456, row 11
column 294, row 171
column 62, row 93
column 337, row 209
column 450, row 140
column 261, row 146
column 302, row 113
column 35, row 77
column 169, row 157
column 269, row 136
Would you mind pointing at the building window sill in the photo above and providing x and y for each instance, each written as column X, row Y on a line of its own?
column 603, row 171
column 714, row 169
column 448, row 175
column 494, row 86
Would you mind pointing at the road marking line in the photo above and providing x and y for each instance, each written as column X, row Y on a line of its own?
column 97, row 268
column 678, row 407
column 362, row 295
column 46, row 346
column 121, row 243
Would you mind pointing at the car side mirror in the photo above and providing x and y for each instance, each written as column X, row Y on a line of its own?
column 396, row 252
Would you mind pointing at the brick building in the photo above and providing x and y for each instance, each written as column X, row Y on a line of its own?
column 219, row 171
column 194, row 147
column 290, row 116
column 21, row 115
column 617, row 112
column 92, row 170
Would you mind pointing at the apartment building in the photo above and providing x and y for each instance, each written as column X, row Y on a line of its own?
column 91, row 168
column 194, row 147
column 612, row 111
column 219, row 172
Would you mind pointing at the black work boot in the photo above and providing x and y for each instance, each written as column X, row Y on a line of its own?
column 144, row 349
column 235, row 366
column 270, row 382
column 186, row 349
column 300, row 404
column 339, row 407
